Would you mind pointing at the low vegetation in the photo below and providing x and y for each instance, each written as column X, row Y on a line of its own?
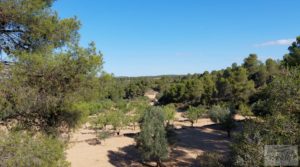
column 55, row 86
column 23, row 150
column 223, row 116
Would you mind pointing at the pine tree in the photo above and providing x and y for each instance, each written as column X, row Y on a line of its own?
column 32, row 25
column 293, row 57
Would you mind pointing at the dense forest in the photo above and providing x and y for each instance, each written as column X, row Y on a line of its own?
column 53, row 86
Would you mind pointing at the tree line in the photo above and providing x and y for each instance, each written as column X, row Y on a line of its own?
column 54, row 84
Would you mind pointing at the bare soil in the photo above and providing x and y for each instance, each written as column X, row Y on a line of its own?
column 120, row 151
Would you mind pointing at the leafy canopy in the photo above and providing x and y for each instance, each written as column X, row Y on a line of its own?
column 45, row 87
column 32, row 25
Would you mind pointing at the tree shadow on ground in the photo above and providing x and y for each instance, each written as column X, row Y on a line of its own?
column 126, row 156
column 180, row 158
column 93, row 141
column 129, row 156
column 131, row 135
column 210, row 138
column 206, row 138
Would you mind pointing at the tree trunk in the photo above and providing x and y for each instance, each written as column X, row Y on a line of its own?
column 228, row 133
column 159, row 164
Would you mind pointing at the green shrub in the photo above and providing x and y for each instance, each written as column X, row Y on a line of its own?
column 224, row 116
column 277, row 129
column 209, row 159
column 169, row 112
column 245, row 110
column 23, row 150
column 103, row 135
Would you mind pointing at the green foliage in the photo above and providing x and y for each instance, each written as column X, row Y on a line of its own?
column 210, row 159
column 117, row 119
column 174, row 94
column 218, row 114
column 100, row 121
column 282, row 95
column 245, row 110
column 234, row 86
column 31, row 25
column 23, row 150
column 224, row 116
column 194, row 113
column 272, row 66
column 152, row 140
column 136, row 89
column 119, row 114
column 292, row 59
column 45, row 87
column 169, row 112
column 209, row 86
column 251, row 63
column 106, row 105
column 193, row 89
column 190, row 89
column 110, row 88
column 89, row 108
column 278, row 104
column 274, row 130
column 102, row 135
column 258, row 72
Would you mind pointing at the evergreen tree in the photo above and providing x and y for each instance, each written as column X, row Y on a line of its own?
column 44, row 87
column 32, row 25
column 293, row 58
column 251, row 63
column 248, row 145
column 152, row 140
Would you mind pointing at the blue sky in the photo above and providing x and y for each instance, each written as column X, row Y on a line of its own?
column 154, row 37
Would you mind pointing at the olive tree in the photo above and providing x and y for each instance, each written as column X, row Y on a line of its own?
column 194, row 113
column 224, row 116
column 169, row 112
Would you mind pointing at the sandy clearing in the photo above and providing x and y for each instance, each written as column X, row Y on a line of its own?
column 120, row 151
column 83, row 153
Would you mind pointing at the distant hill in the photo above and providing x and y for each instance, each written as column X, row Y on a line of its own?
column 153, row 77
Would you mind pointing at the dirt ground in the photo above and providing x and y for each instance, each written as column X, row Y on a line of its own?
column 120, row 151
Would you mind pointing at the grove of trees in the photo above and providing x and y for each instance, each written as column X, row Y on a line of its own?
column 54, row 86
